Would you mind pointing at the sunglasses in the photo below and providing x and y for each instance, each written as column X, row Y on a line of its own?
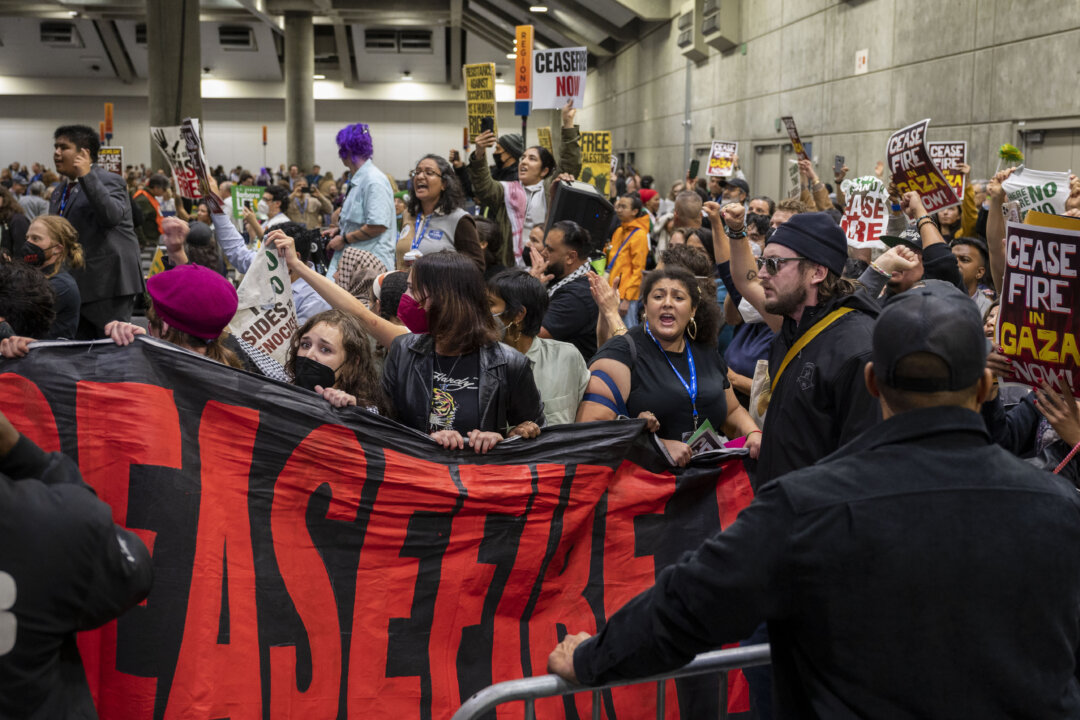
column 774, row 264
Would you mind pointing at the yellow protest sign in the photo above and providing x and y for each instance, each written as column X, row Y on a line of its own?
column 479, row 95
column 596, row 160
column 543, row 139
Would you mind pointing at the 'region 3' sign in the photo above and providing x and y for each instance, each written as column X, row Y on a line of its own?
column 913, row 170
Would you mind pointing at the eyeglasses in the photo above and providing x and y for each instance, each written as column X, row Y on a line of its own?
column 426, row 172
column 774, row 264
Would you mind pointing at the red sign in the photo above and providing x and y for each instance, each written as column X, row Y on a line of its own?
column 311, row 562
column 949, row 156
column 866, row 213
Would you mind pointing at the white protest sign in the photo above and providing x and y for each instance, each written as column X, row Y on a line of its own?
column 558, row 75
column 1038, row 190
column 722, row 159
column 266, row 316
column 867, row 212
column 174, row 148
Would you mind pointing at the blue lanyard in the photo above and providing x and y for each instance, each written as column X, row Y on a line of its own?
column 691, row 387
column 417, row 234
column 69, row 190
column 612, row 263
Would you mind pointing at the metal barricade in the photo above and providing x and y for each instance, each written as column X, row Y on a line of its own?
column 530, row 689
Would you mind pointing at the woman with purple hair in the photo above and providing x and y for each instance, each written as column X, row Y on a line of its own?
column 367, row 215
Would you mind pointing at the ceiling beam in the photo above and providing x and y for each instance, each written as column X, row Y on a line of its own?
column 542, row 34
column 114, row 49
column 596, row 24
column 489, row 34
column 345, row 61
column 258, row 8
column 456, row 44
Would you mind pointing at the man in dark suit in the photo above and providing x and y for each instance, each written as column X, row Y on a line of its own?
column 97, row 204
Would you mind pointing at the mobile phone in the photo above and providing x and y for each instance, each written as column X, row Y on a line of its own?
column 838, row 164
column 247, row 204
column 695, row 164
column 305, row 189
column 487, row 123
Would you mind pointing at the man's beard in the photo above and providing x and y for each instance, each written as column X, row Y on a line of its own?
column 787, row 304
column 557, row 270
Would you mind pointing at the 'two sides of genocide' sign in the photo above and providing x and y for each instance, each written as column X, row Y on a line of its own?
column 1040, row 305
column 913, row 170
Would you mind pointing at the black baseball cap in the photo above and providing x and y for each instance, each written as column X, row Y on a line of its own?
column 909, row 238
column 935, row 318
column 736, row 182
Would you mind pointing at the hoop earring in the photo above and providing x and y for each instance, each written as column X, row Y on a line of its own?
column 691, row 329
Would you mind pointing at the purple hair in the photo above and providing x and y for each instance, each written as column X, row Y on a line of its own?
column 354, row 142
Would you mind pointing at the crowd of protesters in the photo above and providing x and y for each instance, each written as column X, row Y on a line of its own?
column 450, row 301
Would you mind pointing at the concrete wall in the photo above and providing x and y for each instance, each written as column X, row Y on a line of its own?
column 978, row 68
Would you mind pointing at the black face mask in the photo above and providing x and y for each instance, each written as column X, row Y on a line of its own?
column 33, row 255
column 310, row 373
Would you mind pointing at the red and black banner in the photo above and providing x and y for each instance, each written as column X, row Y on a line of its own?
column 320, row 563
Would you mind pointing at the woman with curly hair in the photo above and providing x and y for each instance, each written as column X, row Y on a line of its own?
column 332, row 355
column 13, row 224
column 435, row 219
column 367, row 215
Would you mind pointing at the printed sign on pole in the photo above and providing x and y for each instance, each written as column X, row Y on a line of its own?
column 913, row 170
column 614, row 166
column 479, row 95
column 112, row 159
column 793, row 133
column 949, row 156
column 108, row 121
column 596, row 160
column 1040, row 305
column 722, row 159
column 523, row 70
column 558, row 76
column 867, row 211
column 1037, row 190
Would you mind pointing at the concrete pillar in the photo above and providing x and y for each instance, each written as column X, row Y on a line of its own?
column 174, row 65
column 299, row 90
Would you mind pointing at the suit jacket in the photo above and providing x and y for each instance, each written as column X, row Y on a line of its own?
column 100, row 209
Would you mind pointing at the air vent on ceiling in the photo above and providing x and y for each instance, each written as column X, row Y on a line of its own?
column 414, row 41
column 140, row 33
column 60, row 35
column 237, row 37
column 710, row 6
column 380, row 41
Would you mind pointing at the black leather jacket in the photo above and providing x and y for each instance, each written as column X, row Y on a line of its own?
column 508, row 394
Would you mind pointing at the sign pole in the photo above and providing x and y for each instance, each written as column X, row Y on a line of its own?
column 523, row 77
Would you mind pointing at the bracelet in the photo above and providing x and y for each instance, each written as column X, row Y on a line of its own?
column 874, row 266
column 1072, row 453
column 924, row 217
column 752, row 432
column 923, row 221
column 735, row 234
column 619, row 331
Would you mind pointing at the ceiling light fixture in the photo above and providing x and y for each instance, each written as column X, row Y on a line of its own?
column 318, row 77
column 406, row 76
column 511, row 56
column 538, row 8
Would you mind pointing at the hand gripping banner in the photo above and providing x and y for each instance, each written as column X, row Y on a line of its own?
column 320, row 563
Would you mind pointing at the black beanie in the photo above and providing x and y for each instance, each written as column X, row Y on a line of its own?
column 816, row 237
column 513, row 144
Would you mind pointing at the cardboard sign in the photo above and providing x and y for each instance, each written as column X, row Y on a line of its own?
column 111, row 158
column 174, row 148
column 558, row 75
column 1040, row 305
column 722, row 159
column 479, row 96
column 614, row 161
column 794, row 179
column 914, row 171
column 866, row 213
column 313, row 562
column 793, row 133
column 1037, row 190
column 266, row 316
column 245, row 196
column 523, row 70
column 596, row 160
column 543, row 139
column 189, row 131
column 949, row 156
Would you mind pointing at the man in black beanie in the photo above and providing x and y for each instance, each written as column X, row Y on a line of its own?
column 823, row 328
